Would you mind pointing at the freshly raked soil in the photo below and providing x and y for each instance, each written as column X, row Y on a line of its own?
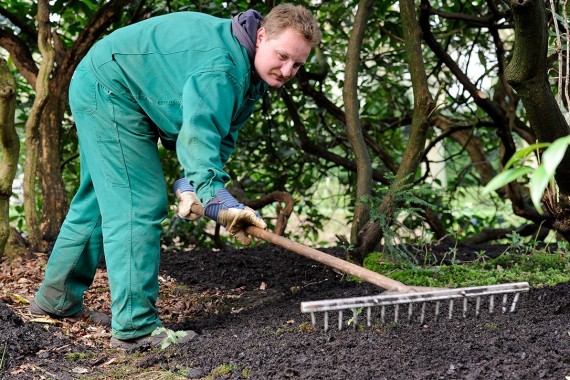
column 245, row 305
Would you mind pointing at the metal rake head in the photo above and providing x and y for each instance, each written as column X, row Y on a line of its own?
column 430, row 304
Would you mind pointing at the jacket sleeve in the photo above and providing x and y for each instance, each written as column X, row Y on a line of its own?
column 207, row 137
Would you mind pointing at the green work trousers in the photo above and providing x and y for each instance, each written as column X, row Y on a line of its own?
column 117, row 211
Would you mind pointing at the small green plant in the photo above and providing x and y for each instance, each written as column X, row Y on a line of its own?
column 541, row 177
column 356, row 313
column 491, row 326
column 563, row 247
column 221, row 370
column 452, row 251
column 283, row 330
column 246, row 373
column 516, row 243
column 73, row 356
column 306, row 327
column 172, row 336
column 481, row 255
column 406, row 212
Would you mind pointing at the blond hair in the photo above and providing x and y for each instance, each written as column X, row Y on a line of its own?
column 296, row 17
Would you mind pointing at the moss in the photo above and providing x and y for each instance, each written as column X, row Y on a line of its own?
column 74, row 356
column 221, row 370
column 536, row 269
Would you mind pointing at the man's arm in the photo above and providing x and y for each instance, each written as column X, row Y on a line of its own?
column 206, row 139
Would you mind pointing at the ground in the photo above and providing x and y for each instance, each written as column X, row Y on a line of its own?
column 245, row 305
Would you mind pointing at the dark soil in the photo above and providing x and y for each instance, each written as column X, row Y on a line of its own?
column 245, row 305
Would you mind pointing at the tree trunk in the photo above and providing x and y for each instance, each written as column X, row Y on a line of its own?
column 54, row 197
column 33, row 122
column 371, row 235
column 55, row 205
column 10, row 148
column 353, row 126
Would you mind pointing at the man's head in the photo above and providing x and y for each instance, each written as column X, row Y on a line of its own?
column 284, row 41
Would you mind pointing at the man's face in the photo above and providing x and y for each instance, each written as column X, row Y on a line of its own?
column 277, row 59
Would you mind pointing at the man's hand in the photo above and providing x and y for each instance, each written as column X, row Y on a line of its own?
column 234, row 216
column 186, row 198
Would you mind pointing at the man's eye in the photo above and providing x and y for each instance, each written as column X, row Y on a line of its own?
column 282, row 57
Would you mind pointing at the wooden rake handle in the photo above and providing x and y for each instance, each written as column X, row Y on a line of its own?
column 323, row 258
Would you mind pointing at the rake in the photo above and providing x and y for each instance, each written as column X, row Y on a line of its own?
column 397, row 294
column 474, row 294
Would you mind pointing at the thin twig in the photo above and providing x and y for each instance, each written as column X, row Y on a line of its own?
column 3, row 355
column 559, row 52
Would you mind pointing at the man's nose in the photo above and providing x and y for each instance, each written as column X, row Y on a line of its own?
column 287, row 70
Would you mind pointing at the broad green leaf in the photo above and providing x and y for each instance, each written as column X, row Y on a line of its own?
column 542, row 176
column 506, row 177
column 538, row 182
column 521, row 154
column 553, row 155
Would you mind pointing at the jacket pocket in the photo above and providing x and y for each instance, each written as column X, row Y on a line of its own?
column 82, row 91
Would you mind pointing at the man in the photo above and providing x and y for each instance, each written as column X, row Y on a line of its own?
column 191, row 80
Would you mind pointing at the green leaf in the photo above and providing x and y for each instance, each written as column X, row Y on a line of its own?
column 552, row 156
column 505, row 178
column 521, row 154
column 542, row 176
column 538, row 182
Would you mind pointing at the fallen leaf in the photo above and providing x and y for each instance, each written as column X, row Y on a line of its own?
column 109, row 362
column 80, row 370
column 18, row 298
column 46, row 320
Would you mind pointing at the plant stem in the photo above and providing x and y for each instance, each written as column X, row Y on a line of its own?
column 3, row 355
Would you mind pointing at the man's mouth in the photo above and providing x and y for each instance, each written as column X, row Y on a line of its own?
column 280, row 77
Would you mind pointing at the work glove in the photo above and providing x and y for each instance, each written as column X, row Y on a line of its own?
column 234, row 216
column 186, row 198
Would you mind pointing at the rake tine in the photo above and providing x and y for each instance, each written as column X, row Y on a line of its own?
column 369, row 316
column 396, row 312
column 339, row 320
column 450, row 309
column 464, row 307
column 326, row 321
column 505, row 299
column 491, row 303
column 437, row 304
column 515, row 300
column 355, row 317
column 383, row 315
column 423, row 316
column 410, row 310
column 313, row 319
column 477, row 305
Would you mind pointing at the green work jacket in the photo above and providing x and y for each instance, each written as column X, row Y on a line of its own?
column 193, row 79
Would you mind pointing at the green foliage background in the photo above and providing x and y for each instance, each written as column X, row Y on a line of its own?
column 271, row 153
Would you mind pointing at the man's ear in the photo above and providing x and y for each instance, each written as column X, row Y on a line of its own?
column 260, row 36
